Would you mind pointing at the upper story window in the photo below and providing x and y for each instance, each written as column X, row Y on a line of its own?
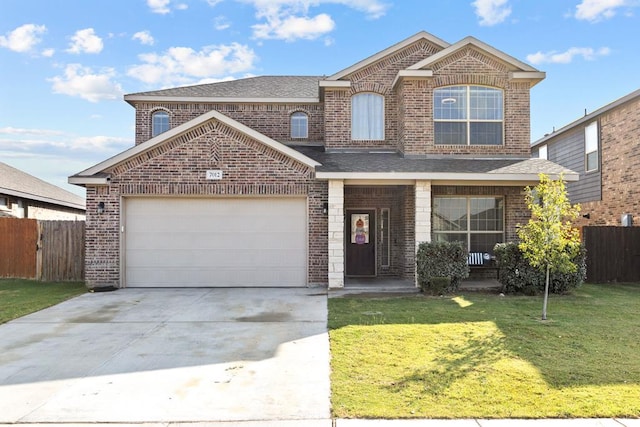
column 367, row 116
column 591, row 147
column 542, row 152
column 159, row 122
column 468, row 115
column 299, row 125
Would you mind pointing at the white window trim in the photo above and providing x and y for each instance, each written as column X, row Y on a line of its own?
column 153, row 113
column 543, row 152
column 592, row 128
column 385, row 237
column 468, row 120
column 306, row 128
column 382, row 138
column 468, row 231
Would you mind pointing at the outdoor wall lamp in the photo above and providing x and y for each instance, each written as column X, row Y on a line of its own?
column 587, row 216
column 101, row 208
column 325, row 208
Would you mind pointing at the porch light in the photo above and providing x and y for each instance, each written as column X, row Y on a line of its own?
column 587, row 216
column 100, row 208
column 325, row 208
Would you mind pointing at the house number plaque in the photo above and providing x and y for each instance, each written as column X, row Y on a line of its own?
column 214, row 175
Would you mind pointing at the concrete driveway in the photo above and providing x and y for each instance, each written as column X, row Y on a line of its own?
column 169, row 355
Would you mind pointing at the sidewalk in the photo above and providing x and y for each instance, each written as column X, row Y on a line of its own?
column 599, row 422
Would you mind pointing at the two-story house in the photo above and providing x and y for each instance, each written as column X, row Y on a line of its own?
column 604, row 148
column 311, row 180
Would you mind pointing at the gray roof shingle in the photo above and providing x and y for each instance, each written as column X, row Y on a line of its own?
column 252, row 87
column 387, row 162
column 15, row 182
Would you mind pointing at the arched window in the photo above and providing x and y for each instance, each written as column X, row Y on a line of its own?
column 299, row 125
column 159, row 122
column 468, row 115
column 367, row 116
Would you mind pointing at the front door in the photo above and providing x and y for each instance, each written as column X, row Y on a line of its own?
column 361, row 242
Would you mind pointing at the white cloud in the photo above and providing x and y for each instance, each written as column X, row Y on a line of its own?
column 183, row 65
column 159, row 6
column 214, row 3
column 597, row 10
column 48, row 53
column 220, row 23
column 491, row 12
column 85, row 41
column 23, row 38
column 291, row 28
column 164, row 7
column 24, row 131
column 290, row 20
column 555, row 57
column 144, row 37
column 84, row 83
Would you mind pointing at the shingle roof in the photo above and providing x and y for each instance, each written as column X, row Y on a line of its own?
column 387, row 162
column 21, row 184
column 252, row 87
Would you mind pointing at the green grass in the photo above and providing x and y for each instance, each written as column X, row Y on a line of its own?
column 19, row 297
column 485, row 356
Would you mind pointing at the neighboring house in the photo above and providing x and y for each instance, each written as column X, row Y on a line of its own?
column 25, row 196
column 604, row 148
column 305, row 180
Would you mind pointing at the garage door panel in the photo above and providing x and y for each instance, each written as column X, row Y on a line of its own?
column 215, row 242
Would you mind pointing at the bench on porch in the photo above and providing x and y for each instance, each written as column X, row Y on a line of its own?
column 482, row 265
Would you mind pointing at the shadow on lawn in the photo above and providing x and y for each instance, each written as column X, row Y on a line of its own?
column 592, row 337
column 456, row 363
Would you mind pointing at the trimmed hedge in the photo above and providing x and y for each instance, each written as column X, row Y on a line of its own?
column 438, row 261
column 518, row 277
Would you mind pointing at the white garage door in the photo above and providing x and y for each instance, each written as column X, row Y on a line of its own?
column 215, row 242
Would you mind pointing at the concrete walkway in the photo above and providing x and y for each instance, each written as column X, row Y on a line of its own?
column 169, row 355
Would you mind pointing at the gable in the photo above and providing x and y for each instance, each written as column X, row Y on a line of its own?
column 189, row 131
column 211, row 146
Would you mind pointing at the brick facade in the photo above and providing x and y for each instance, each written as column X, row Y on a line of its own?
column 250, row 169
column 176, row 167
column 620, row 150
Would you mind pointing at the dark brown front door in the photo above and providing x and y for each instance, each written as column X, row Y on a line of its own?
column 361, row 242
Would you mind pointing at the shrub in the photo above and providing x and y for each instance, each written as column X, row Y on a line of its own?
column 517, row 276
column 440, row 260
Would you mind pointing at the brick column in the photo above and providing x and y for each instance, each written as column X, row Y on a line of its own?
column 423, row 214
column 336, row 234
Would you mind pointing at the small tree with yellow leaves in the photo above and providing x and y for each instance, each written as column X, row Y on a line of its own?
column 549, row 241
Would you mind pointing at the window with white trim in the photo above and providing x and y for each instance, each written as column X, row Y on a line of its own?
column 299, row 125
column 591, row 147
column 3, row 203
column 367, row 117
column 477, row 222
column 543, row 152
column 159, row 122
column 468, row 115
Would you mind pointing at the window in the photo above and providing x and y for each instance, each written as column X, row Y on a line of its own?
column 159, row 123
column 299, row 125
column 468, row 115
column 3, row 203
column 591, row 147
column 385, row 246
column 477, row 222
column 542, row 152
column 367, row 116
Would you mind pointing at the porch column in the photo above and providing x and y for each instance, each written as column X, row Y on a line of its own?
column 336, row 233
column 423, row 215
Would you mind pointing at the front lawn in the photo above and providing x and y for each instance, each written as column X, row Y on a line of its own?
column 19, row 297
column 485, row 356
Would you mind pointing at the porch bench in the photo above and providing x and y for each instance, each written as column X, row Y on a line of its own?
column 482, row 263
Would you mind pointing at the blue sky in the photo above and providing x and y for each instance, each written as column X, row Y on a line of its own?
column 66, row 64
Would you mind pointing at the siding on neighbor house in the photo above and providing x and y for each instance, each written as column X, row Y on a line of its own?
column 570, row 152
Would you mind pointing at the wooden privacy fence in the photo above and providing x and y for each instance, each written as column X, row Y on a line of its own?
column 43, row 250
column 613, row 254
